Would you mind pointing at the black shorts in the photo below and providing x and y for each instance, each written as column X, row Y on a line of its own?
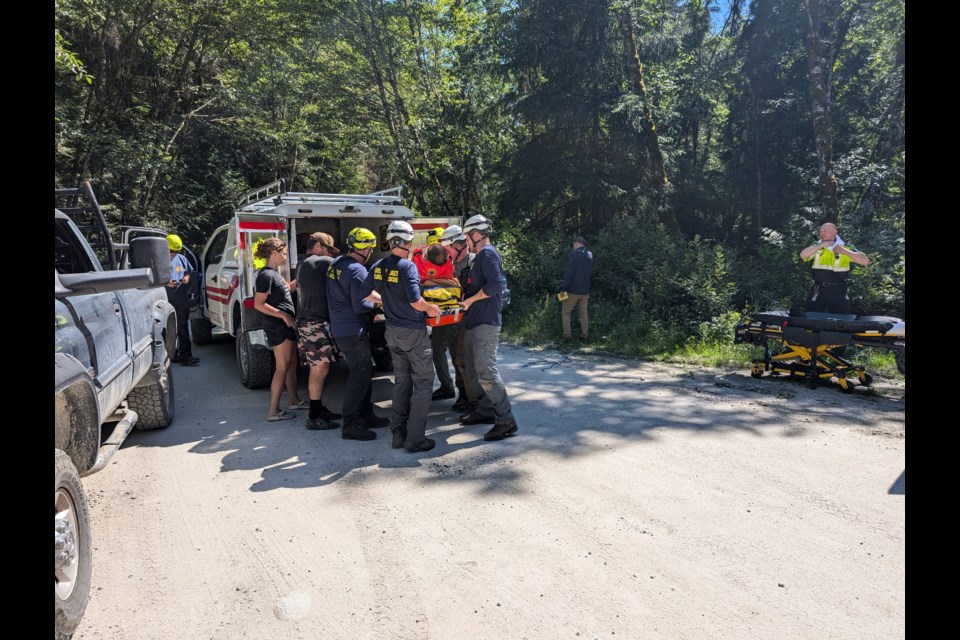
column 277, row 332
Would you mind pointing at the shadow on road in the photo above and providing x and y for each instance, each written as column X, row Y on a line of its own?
column 561, row 403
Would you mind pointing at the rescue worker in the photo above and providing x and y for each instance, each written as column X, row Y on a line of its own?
column 394, row 280
column 451, row 336
column 483, row 305
column 177, row 294
column 433, row 236
column 350, row 319
column 831, row 268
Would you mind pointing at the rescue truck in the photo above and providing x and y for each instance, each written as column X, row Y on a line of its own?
column 229, row 270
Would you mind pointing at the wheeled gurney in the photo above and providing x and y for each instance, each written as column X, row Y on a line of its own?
column 810, row 345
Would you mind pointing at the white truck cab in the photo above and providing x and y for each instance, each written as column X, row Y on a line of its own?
column 229, row 273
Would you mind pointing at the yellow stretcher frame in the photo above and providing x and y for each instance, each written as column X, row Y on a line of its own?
column 813, row 354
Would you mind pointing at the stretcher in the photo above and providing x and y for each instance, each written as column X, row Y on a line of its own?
column 810, row 345
column 451, row 315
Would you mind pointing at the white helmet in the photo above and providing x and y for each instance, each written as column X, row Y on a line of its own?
column 452, row 234
column 400, row 229
column 479, row 223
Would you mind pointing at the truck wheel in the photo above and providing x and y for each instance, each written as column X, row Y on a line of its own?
column 71, row 547
column 202, row 330
column 255, row 365
column 154, row 403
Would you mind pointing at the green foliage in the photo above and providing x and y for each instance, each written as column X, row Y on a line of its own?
column 526, row 112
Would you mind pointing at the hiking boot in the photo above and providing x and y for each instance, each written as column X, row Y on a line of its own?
column 326, row 414
column 357, row 432
column 321, row 424
column 444, row 394
column 423, row 445
column 462, row 404
column 501, row 431
column 475, row 418
column 373, row 421
column 399, row 437
column 565, row 339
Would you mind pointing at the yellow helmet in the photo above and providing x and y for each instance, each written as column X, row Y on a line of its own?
column 174, row 242
column 359, row 239
column 433, row 236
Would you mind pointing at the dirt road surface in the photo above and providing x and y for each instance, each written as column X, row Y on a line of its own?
column 638, row 500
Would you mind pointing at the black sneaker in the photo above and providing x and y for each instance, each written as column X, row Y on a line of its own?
column 501, row 431
column 462, row 404
column 188, row 361
column 444, row 394
column 399, row 437
column 374, row 421
column 357, row 432
column 321, row 424
column 423, row 445
column 326, row 414
column 475, row 418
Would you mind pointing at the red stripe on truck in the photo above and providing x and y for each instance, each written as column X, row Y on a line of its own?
column 261, row 226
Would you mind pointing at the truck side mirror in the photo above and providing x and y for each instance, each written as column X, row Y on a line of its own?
column 153, row 254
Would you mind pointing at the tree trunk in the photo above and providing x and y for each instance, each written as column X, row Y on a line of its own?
column 820, row 106
column 635, row 72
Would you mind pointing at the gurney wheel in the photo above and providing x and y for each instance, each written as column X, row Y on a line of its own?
column 866, row 379
column 845, row 386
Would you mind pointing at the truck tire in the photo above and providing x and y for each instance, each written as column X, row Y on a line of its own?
column 154, row 403
column 255, row 365
column 202, row 330
column 71, row 544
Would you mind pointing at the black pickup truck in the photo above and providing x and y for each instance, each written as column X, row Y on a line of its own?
column 114, row 336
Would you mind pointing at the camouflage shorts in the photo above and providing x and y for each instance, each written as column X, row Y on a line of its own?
column 316, row 345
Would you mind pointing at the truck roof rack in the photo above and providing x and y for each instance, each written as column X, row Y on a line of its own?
column 89, row 219
column 268, row 197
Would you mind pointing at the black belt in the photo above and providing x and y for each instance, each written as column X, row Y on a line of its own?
column 828, row 284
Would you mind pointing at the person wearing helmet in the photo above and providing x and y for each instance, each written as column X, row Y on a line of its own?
column 396, row 282
column 455, row 243
column 350, row 320
column 483, row 305
column 433, row 236
column 178, row 295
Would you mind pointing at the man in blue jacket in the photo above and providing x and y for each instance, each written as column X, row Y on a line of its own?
column 396, row 280
column 483, row 306
column 350, row 327
column 576, row 286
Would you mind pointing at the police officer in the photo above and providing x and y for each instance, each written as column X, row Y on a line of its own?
column 350, row 318
column 177, row 295
column 483, row 304
column 397, row 281
column 831, row 268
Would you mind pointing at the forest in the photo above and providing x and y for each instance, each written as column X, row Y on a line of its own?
column 696, row 145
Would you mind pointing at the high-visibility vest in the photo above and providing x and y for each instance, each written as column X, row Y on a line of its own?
column 825, row 260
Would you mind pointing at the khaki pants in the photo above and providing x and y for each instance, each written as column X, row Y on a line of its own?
column 575, row 300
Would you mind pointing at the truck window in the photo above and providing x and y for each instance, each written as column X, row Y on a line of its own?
column 215, row 253
column 69, row 254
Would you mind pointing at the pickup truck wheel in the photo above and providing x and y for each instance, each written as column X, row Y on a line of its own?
column 255, row 365
column 71, row 547
column 202, row 330
column 154, row 403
